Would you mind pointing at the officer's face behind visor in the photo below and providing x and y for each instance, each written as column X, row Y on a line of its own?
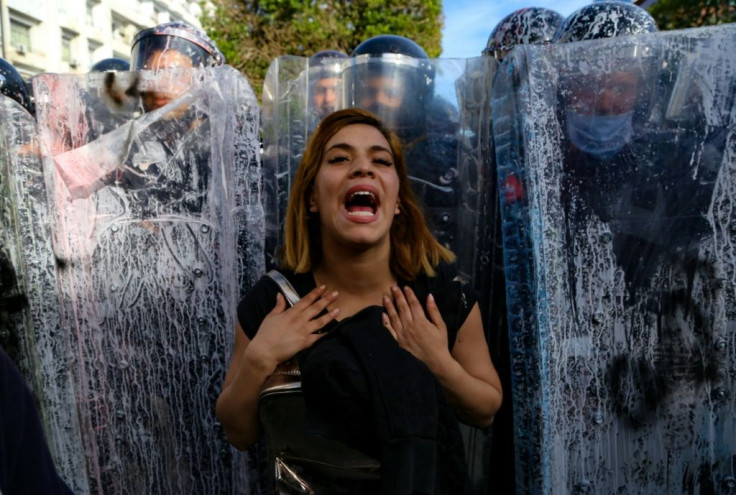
column 166, row 60
column 599, row 112
column 380, row 91
column 613, row 93
column 394, row 87
column 324, row 95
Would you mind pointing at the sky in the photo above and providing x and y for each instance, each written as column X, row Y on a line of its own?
column 468, row 23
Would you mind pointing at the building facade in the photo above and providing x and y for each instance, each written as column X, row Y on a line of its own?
column 69, row 36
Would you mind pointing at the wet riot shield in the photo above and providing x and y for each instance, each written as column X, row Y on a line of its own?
column 17, row 130
column 616, row 163
column 444, row 123
column 30, row 298
column 157, row 229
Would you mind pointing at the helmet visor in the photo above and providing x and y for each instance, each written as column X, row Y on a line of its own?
column 166, row 52
column 392, row 87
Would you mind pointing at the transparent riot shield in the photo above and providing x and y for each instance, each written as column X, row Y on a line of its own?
column 444, row 123
column 288, row 121
column 30, row 298
column 615, row 159
column 157, row 229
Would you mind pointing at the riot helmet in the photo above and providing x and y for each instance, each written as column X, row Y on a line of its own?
column 112, row 64
column 325, row 56
column 177, row 36
column 174, row 46
column 532, row 25
column 13, row 85
column 325, row 68
column 608, row 19
column 392, row 77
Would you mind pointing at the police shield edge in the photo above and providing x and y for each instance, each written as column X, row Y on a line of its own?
column 620, row 262
column 153, row 213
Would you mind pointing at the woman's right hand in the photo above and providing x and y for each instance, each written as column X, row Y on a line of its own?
column 287, row 330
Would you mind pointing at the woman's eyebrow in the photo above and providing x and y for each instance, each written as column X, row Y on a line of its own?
column 349, row 147
column 340, row 146
column 378, row 147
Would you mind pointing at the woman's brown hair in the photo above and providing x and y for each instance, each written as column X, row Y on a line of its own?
column 413, row 247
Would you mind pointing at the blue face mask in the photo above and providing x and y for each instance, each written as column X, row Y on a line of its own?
column 601, row 136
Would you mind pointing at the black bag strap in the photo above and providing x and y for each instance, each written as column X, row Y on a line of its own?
column 287, row 375
column 291, row 295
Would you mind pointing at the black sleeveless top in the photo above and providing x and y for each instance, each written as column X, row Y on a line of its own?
column 362, row 389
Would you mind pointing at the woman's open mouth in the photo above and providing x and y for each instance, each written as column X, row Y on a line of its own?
column 361, row 201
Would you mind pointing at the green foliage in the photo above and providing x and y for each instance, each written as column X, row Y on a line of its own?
column 252, row 33
column 681, row 14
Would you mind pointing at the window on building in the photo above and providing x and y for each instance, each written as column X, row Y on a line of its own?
column 20, row 36
column 92, row 48
column 67, row 39
column 90, row 13
column 66, row 49
column 120, row 30
column 116, row 30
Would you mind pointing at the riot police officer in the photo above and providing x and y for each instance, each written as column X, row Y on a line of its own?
column 651, row 185
column 605, row 114
column 392, row 77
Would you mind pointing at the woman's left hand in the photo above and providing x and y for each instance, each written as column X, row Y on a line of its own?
column 425, row 338
column 467, row 374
